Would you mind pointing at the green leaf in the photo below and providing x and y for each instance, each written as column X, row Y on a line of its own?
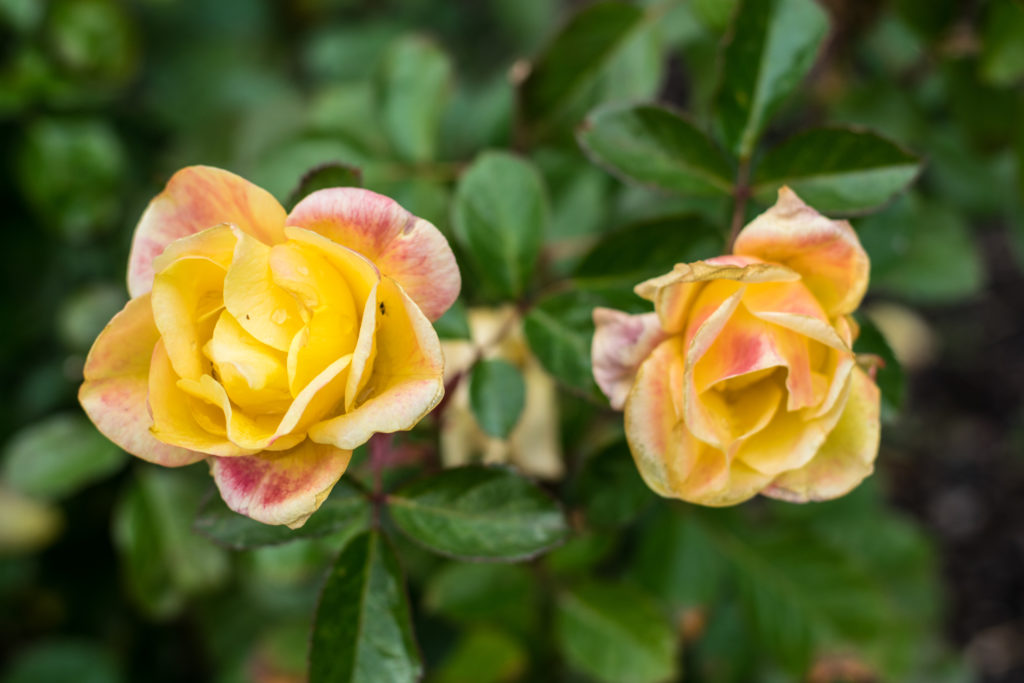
column 345, row 507
column 504, row 595
column 362, row 631
column 454, row 324
column 484, row 655
column 331, row 174
column 1002, row 56
column 657, row 147
column 414, row 81
column 573, row 60
column 615, row 633
column 63, row 661
column 836, row 170
column 771, row 47
column 560, row 327
column 164, row 560
column 923, row 251
column 611, row 506
column 479, row 513
column 497, row 394
column 55, row 458
column 677, row 562
column 649, row 248
column 889, row 377
column 500, row 216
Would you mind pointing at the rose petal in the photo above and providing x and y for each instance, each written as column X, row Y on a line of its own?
column 621, row 343
column 406, row 380
column 826, row 253
column 790, row 440
column 847, row 455
column 175, row 413
column 116, row 385
column 408, row 249
column 280, row 488
column 674, row 293
column 264, row 309
column 197, row 198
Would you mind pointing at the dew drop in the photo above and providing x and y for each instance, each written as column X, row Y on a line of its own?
column 279, row 316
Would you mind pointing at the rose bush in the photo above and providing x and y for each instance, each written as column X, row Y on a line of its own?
column 271, row 344
column 743, row 380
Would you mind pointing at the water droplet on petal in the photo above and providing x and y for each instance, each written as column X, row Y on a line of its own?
column 279, row 316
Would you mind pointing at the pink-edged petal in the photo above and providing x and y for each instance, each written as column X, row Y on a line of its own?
column 284, row 487
column 673, row 293
column 408, row 249
column 671, row 460
column 848, row 454
column 116, row 386
column 406, row 380
column 826, row 253
column 791, row 439
column 197, row 198
column 621, row 342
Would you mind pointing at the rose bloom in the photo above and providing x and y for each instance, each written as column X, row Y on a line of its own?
column 743, row 380
column 271, row 345
column 533, row 445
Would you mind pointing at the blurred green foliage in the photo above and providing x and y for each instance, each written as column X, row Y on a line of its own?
column 468, row 113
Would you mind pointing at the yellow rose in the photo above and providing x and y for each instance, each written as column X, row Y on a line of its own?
column 743, row 380
column 271, row 344
column 533, row 445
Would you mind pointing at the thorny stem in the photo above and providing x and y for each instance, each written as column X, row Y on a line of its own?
column 740, row 196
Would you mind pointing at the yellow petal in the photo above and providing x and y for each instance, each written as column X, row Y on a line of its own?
column 263, row 308
column 197, row 198
column 846, row 457
column 826, row 253
column 116, row 385
column 406, row 381
column 253, row 374
column 186, row 300
column 174, row 421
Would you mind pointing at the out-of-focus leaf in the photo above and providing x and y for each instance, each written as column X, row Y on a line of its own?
column 331, row 174
column 771, row 47
column 497, row 394
column 483, row 656
column 922, row 251
column 610, row 488
column 1002, row 56
column 24, row 15
column 70, row 171
column 716, row 14
column 478, row 117
column 930, row 18
column 454, row 324
column 654, row 146
column 580, row 193
column 64, row 661
column 84, row 314
column 484, row 593
column 94, row 39
column 643, row 250
column 348, row 110
column 500, row 215
column 836, row 170
column 479, row 513
column 573, row 59
column 27, row 525
column 636, row 71
column 677, row 562
column 284, row 166
column 889, row 376
column 164, row 560
column 414, row 83
column 581, row 554
column 362, row 631
column 615, row 633
column 560, row 327
column 55, row 458
column 345, row 507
